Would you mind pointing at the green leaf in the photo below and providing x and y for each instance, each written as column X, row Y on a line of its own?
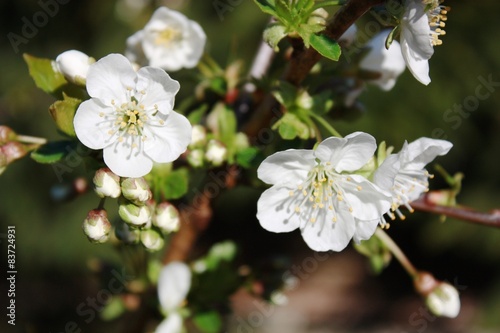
column 267, row 6
column 208, row 322
column 227, row 126
column 287, row 131
column 175, row 184
column 63, row 113
column 53, row 152
column 246, row 156
column 283, row 11
column 326, row 46
column 290, row 126
column 43, row 73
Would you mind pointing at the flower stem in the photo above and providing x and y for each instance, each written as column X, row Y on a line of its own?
column 397, row 252
column 31, row 139
column 326, row 125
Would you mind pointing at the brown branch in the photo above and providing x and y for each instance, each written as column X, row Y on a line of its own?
column 491, row 219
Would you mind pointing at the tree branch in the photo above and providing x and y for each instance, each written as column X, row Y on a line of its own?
column 491, row 219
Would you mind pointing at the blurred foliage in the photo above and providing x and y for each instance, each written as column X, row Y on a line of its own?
column 51, row 245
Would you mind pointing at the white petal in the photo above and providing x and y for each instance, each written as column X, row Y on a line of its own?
column 365, row 230
column 386, row 172
column 174, row 283
column 166, row 143
column 126, row 162
column 370, row 202
column 172, row 324
column 424, row 150
column 160, row 89
column 325, row 235
column 276, row 210
column 195, row 40
column 90, row 128
column 109, row 78
column 289, row 166
column 415, row 40
column 349, row 153
column 417, row 66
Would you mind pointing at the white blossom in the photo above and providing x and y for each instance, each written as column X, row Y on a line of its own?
column 318, row 192
column 173, row 286
column 403, row 174
column 389, row 63
column 130, row 117
column 421, row 27
column 169, row 40
column 167, row 217
column 107, row 184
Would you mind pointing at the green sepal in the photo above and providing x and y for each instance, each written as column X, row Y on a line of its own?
column 267, row 6
column 245, row 157
column 376, row 251
column 63, row 112
column 53, row 152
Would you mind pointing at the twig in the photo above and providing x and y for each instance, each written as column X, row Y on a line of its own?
column 491, row 219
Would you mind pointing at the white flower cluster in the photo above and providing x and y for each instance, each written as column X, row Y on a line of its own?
column 324, row 194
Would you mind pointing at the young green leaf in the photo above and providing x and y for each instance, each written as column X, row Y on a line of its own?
column 44, row 73
column 53, row 152
column 208, row 322
column 267, row 6
column 326, row 46
column 63, row 113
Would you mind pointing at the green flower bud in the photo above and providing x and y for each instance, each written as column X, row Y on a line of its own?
column 241, row 141
column 107, row 184
column 6, row 134
column 136, row 190
column 137, row 216
column 96, row 226
column 196, row 157
column 152, row 240
column 167, row 217
column 216, row 152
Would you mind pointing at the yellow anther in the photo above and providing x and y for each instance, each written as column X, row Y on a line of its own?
column 350, row 209
column 359, row 188
column 297, row 209
column 313, row 219
column 291, row 193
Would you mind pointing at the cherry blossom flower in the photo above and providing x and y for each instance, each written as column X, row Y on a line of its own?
column 389, row 63
column 169, row 40
column 173, row 286
column 130, row 117
column 403, row 173
column 318, row 192
column 421, row 27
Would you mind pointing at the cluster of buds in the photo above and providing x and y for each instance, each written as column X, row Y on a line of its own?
column 10, row 148
column 142, row 220
column 206, row 150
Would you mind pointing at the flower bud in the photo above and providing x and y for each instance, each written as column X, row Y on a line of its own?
column 136, row 190
column 241, row 141
column 74, row 65
column 127, row 234
column 195, row 158
column 152, row 240
column 441, row 298
column 3, row 162
column 96, row 226
column 444, row 301
column 6, row 134
column 136, row 216
column 13, row 151
column 304, row 100
column 216, row 152
column 318, row 17
column 167, row 217
column 198, row 136
column 107, row 184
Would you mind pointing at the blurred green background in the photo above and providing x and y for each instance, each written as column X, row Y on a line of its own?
column 52, row 252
